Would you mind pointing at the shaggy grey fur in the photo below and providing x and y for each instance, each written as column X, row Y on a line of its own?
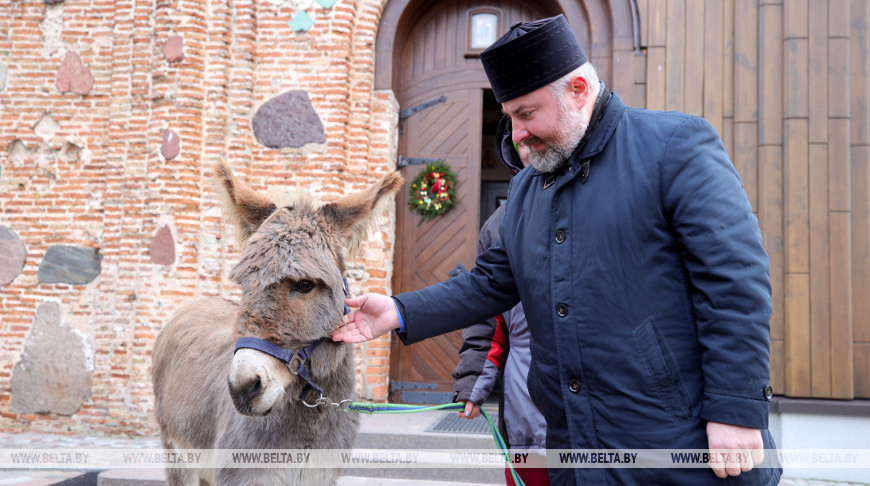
column 194, row 352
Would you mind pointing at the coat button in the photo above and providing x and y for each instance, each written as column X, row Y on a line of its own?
column 560, row 237
column 768, row 392
column 574, row 385
column 562, row 310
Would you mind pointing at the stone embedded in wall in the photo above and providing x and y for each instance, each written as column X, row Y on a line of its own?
column 74, row 76
column 162, row 249
column 301, row 22
column 4, row 71
column 326, row 3
column 54, row 373
column 288, row 120
column 173, row 48
column 76, row 265
column 46, row 128
column 12, row 255
column 50, row 2
column 171, row 144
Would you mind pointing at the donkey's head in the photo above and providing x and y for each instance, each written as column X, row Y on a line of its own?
column 291, row 275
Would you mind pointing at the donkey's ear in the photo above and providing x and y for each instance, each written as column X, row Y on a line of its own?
column 242, row 206
column 352, row 213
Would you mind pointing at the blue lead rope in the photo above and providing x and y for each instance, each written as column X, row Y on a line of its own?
column 370, row 408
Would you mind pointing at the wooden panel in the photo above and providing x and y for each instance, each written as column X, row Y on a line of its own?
column 820, row 315
column 770, row 72
column 838, row 18
column 838, row 78
column 777, row 366
column 655, row 78
column 658, row 23
column 795, row 15
column 796, row 198
column 818, row 73
column 842, row 379
column 797, row 335
column 695, row 44
column 746, row 61
column 643, row 15
column 728, row 65
column 862, row 370
column 796, row 87
column 839, row 166
column 859, row 72
column 745, row 158
column 675, row 56
column 713, row 60
column 861, row 242
column 770, row 218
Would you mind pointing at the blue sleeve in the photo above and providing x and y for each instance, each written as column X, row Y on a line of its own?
column 729, row 273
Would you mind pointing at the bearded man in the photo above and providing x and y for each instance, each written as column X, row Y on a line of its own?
column 639, row 263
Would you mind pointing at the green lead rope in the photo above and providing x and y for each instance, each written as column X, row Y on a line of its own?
column 370, row 408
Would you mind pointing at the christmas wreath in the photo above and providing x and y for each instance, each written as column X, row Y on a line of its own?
column 433, row 191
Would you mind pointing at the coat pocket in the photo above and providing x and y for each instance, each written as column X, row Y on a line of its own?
column 662, row 371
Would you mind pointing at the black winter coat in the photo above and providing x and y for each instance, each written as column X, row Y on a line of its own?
column 647, row 291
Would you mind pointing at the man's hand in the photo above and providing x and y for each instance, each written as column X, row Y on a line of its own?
column 376, row 315
column 733, row 449
column 471, row 410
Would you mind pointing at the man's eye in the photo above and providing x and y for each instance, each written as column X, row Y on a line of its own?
column 305, row 286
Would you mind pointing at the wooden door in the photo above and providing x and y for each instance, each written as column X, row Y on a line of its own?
column 426, row 252
column 434, row 62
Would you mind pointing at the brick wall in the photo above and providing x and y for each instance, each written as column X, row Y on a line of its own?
column 88, row 170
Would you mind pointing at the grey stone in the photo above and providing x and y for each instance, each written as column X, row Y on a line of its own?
column 173, row 48
column 171, row 144
column 76, row 265
column 12, row 255
column 4, row 71
column 162, row 249
column 74, row 76
column 288, row 120
column 54, row 373
column 50, row 2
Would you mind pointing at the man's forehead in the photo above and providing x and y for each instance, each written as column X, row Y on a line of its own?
column 528, row 101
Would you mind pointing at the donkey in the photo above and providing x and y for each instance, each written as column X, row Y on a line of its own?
column 291, row 274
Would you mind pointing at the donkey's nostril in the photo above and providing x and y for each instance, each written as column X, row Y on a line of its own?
column 248, row 390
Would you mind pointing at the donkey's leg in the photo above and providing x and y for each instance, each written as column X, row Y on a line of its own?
column 178, row 476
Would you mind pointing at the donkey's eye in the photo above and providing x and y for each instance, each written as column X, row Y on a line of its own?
column 305, row 286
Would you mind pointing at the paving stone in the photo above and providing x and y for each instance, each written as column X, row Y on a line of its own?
column 73, row 75
column 54, row 373
column 171, row 144
column 173, row 48
column 162, row 249
column 288, row 120
column 76, row 265
column 12, row 255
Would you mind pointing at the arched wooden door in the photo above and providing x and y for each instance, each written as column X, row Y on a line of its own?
column 435, row 63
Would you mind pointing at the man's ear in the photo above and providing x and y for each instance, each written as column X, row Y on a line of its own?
column 579, row 91
column 243, row 206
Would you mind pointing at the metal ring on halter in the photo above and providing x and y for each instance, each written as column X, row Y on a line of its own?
column 296, row 359
column 320, row 401
column 344, row 405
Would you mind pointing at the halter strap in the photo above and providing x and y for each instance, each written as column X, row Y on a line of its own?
column 286, row 356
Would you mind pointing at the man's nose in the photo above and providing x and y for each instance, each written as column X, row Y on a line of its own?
column 518, row 133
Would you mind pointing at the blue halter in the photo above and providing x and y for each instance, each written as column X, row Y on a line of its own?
column 287, row 356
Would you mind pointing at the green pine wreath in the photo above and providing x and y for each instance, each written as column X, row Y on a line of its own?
column 433, row 190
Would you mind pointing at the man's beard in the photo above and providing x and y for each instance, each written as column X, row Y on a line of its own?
column 573, row 127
